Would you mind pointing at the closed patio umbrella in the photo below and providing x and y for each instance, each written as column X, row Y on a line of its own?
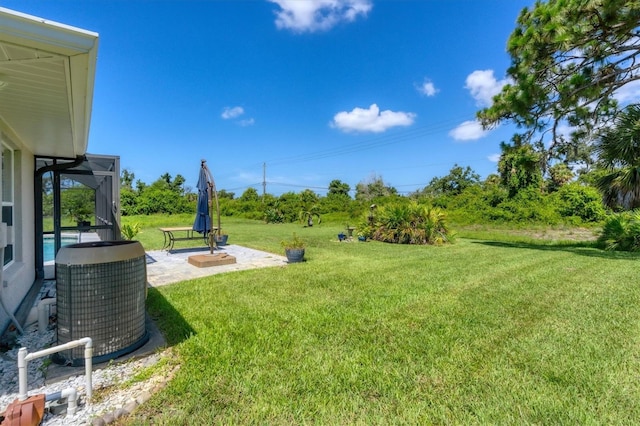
column 202, row 224
column 206, row 192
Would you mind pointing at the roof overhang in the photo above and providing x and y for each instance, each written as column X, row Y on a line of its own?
column 47, row 73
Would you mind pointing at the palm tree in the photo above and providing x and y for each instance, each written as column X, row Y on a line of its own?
column 619, row 151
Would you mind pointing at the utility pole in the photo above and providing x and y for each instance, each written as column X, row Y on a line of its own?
column 264, row 180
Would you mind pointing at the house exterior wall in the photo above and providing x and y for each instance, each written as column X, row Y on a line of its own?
column 18, row 277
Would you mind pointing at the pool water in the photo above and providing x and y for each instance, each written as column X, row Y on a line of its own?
column 49, row 250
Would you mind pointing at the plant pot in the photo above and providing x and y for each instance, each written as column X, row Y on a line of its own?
column 294, row 255
column 221, row 240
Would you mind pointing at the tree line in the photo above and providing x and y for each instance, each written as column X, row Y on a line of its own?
column 575, row 157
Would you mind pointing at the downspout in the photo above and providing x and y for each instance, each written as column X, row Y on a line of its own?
column 37, row 195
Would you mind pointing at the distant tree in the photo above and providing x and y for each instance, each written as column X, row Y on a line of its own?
column 308, row 197
column 491, row 180
column 223, row 193
column 165, row 195
column 337, row 187
column 559, row 175
column 619, row 152
column 454, row 183
column 374, row 187
column 128, row 201
column 568, row 59
column 140, row 185
column 177, row 184
column 126, row 178
column 250, row 194
column 77, row 201
column 519, row 166
column 166, row 177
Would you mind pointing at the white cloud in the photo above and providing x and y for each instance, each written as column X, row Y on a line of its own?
column 232, row 112
column 371, row 120
column 468, row 131
column 629, row 93
column 494, row 158
column 247, row 122
column 318, row 15
column 427, row 88
column 484, row 86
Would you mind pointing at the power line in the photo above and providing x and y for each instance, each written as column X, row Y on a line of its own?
column 376, row 142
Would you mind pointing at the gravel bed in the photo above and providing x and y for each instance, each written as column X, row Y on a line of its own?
column 112, row 403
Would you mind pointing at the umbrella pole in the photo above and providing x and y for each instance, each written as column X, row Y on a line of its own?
column 212, row 193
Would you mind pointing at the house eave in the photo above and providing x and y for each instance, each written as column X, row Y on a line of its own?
column 69, row 55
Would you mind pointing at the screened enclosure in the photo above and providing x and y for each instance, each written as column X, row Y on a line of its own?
column 75, row 199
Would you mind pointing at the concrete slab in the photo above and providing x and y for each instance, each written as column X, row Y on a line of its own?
column 208, row 260
column 165, row 267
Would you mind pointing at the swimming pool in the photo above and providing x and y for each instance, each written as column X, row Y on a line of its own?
column 48, row 246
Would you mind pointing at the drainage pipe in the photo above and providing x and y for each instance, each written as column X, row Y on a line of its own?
column 70, row 394
column 24, row 357
column 44, row 311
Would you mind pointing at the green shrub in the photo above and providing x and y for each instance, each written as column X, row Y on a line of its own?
column 576, row 200
column 273, row 215
column 529, row 205
column 406, row 223
column 621, row 231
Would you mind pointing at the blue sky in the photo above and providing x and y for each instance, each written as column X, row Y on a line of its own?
column 316, row 89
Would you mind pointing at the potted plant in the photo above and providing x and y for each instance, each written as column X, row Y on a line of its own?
column 294, row 249
column 221, row 238
column 364, row 232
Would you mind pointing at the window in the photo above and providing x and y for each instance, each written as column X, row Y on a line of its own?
column 8, row 180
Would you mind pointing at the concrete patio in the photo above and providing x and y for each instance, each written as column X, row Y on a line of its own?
column 168, row 267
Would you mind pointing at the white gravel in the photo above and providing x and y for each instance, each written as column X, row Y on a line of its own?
column 118, row 401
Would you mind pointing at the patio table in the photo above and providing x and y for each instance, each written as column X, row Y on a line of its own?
column 182, row 233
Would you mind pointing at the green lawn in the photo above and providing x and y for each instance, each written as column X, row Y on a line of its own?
column 500, row 330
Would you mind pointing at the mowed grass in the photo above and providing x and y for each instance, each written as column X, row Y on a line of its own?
column 485, row 331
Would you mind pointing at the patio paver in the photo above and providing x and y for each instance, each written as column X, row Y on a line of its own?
column 165, row 268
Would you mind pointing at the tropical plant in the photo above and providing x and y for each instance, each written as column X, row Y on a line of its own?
column 129, row 231
column 408, row 223
column 293, row 243
column 273, row 215
column 621, row 231
column 364, row 230
column 307, row 216
column 619, row 151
